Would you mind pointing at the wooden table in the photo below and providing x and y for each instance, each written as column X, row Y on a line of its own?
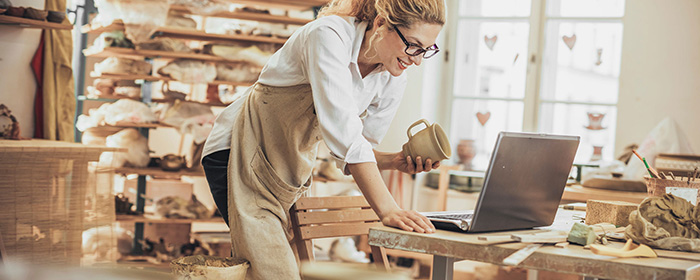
column 581, row 194
column 447, row 247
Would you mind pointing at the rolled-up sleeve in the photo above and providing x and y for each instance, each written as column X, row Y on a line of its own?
column 327, row 56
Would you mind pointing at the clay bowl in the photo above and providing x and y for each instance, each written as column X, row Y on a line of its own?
column 15, row 11
column 36, row 14
column 55, row 16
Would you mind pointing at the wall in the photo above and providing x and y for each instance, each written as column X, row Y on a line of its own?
column 17, row 83
column 660, row 69
column 659, row 75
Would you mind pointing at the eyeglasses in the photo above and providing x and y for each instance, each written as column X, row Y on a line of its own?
column 414, row 49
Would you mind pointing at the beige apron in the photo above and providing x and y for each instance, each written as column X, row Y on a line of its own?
column 273, row 148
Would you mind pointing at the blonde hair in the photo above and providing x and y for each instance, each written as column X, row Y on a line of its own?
column 396, row 12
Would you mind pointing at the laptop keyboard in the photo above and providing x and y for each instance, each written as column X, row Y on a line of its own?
column 452, row 216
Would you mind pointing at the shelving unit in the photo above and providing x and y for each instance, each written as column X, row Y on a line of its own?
column 150, row 55
column 32, row 23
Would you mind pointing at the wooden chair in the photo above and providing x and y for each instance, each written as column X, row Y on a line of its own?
column 444, row 185
column 335, row 216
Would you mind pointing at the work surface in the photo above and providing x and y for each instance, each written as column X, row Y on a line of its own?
column 453, row 246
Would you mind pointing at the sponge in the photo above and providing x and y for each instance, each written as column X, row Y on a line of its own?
column 614, row 212
column 581, row 234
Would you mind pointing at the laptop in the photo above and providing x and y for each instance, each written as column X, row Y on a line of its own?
column 522, row 187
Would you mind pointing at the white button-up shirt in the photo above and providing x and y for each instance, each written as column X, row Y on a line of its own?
column 354, row 113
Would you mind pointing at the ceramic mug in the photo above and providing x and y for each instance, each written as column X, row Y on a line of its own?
column 429, row 143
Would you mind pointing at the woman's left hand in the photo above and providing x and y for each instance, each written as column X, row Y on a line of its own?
column 407, row 165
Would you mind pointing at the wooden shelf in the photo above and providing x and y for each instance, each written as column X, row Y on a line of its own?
column 157, row 78
column 32, row 23
column 112, row 98
column 157, row 172
column 284, row 4
column 245, row 16
column 198, row 35
column 158, row 220
column 139, row 54
column 136, row 125
column 189, row 34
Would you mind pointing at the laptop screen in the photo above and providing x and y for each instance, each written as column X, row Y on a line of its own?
column 524, row 181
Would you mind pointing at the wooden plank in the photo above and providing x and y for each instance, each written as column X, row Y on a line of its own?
column 342, row 216
column 312, row 232
column 32, row 23
column 334, row 202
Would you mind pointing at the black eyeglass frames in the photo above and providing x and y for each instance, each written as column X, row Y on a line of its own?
column 414, row 49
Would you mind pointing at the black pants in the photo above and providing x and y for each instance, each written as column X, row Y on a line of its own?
column 216, row 169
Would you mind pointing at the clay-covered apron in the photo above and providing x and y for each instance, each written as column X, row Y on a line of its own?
column 273, row 148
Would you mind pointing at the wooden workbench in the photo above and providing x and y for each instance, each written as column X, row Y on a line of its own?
column 446, row 247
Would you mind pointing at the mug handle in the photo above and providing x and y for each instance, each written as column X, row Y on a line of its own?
column 408, row 132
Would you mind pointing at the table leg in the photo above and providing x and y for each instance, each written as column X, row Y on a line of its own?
column 443, row 267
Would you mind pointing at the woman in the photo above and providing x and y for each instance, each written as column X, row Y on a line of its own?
column 340, row 79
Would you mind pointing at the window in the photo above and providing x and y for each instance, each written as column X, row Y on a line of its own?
column 549, row 66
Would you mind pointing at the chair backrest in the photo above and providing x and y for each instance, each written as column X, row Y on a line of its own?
column 444, row 185
column 335, row 216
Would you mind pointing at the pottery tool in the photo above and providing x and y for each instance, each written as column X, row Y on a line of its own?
column 629, row 250
column 522, row 254
column 651, row 171
column 672, row 177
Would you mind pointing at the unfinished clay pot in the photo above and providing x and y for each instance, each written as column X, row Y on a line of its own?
column 15, row 11
column 36, row 14
column 55, row 16
column 171, row 162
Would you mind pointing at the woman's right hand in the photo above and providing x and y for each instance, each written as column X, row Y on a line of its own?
column 408, row 220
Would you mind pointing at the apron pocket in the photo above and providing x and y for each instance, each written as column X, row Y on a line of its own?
column 275, row 194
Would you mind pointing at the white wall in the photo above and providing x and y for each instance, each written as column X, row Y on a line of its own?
column 17, row 83
column 659, row 76
column 660, row 69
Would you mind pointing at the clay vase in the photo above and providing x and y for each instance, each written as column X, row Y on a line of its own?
column 171, row 162
column 466, row 151
column 429, row 143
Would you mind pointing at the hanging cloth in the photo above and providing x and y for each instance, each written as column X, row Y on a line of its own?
column 59, row 97
column 37, row 66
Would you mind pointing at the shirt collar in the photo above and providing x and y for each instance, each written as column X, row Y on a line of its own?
column 360, row 29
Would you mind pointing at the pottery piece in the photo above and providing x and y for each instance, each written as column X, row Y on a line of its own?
column 56, row 16
column 429, row 143
column 171, row 162
column 15, row 11
column 35, row 14
column 466, row 152
column 4, row 4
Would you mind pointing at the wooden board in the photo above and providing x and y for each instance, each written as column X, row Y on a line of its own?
column 32, row 23
column 342, row 216
column 337, row 202
column 312, row 232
